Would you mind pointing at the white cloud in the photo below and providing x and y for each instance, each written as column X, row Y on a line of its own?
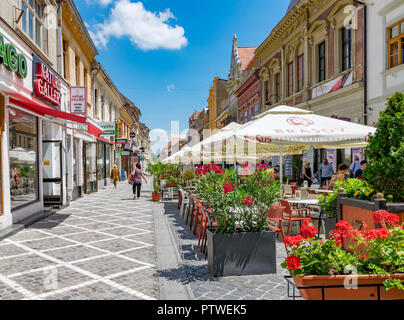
column 170, row 88
column 147, row 30
column 103, row 3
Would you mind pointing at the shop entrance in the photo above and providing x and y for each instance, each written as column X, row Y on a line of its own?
column 90, row 167
column 52, row 173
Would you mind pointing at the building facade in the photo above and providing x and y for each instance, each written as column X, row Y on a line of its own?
column 385, row 54
column 314, row 59
column 217, row 101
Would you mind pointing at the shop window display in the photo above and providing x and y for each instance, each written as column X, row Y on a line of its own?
column 23, row 148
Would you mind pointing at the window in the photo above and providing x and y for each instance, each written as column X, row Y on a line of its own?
column 277, row 87
column 23, row 158
column 321, row 62
column 32, row 21
column 102, row 108
column 256, row 109
column 95, row 102
column 266, row 90
column 396, row 44
column 245, row 116
column 251, row 112
column 346, row 48
column 300, row 72
column 290, row 78
column 65, row 66
column 77, row 63
column 241, row 117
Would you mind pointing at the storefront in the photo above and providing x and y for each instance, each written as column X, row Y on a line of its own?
column 31, row 150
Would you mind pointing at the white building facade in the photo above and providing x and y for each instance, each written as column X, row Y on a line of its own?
column 385, row 54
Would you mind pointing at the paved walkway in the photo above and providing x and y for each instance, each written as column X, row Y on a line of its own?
column 206, row 287
column 101, row 247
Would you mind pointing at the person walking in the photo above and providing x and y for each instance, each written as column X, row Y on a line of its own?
column 326, row 170
column 115, row 175
column 355, row 165
column 307, row 173
column 136, row 176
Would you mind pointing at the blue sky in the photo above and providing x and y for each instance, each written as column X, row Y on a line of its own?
column 164, row 54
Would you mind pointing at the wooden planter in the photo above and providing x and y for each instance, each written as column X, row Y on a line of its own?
column 171, row 185
column 358, row 212
column 156, row 197
column 370, row 287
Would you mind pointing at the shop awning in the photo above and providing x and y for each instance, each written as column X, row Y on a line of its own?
column 105, row 140
column 37, row 106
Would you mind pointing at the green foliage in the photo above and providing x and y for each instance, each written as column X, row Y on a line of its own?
column 354, row 188
column 160, row 170
column 225, row 195
column 385, row 151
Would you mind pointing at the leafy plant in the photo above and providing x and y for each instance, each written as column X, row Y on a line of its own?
column 238, row 203
column 385, row 151
column 377, row 251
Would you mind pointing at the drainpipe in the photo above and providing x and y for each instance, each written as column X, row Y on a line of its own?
column 365, row 62
column 60, row 39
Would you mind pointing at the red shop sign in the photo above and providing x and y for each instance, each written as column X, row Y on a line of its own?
column 47, row 84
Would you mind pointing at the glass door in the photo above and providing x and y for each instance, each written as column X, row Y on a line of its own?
column 52, row 172
column 90, row 166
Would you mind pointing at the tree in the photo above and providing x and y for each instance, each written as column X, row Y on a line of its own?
column 385, row 151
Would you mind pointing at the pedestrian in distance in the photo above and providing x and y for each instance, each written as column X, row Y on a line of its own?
column 359, row 172
column 355, row 165
column 135, row 179
column 115, row 175
column 326, row 170
column 307, row 174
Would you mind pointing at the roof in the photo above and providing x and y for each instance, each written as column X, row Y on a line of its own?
column 291, row 5
column 245, row 54
column 194, row 115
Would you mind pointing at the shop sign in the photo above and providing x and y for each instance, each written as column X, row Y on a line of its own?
column 12, row 60
column 141, row 158
column 125, row 153
column 78, row 100
column 47, row 85
column 135, row 159
column 108, row 128
column 128, row 145
column 78, row 126
column 117, row 124
column 133, row 135
column 121, row 141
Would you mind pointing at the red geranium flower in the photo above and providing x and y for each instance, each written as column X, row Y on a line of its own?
column 293, row 262
column 291, row 241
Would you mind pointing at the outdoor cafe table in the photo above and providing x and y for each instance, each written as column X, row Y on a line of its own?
column 308, row 202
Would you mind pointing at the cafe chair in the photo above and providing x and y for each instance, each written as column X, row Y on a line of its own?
column 275, row 215
column 287, row 191
column 293, row 215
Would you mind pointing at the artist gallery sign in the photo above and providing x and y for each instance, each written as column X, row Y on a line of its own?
column 47, row 84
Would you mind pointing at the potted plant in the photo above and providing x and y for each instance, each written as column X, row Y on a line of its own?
column 375, row 258
column 241, row 243
column 156, row 170
column 186, row 179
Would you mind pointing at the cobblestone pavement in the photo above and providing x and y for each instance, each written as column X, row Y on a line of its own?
column 206, row 287
column 100, row 247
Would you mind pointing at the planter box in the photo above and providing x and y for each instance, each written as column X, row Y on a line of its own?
column 357, row 212
column 244, row 253
column 171, row 185
column 156, row 197
column 342, row 293
column 329, row 224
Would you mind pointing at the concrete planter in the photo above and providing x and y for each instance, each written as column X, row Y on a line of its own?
column 244, row 253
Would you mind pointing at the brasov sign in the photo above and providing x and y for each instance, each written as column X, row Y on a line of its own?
column 47, row 84
column 78, row 100
column 12, row 60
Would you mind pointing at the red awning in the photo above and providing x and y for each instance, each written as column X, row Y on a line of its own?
column 37, row 106
column 106, row 140
column 93, row 130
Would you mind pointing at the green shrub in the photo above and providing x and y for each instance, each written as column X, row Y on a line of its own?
column 385, row 151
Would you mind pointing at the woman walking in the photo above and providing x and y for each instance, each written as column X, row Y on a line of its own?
column 136, row 176
column 115, row 175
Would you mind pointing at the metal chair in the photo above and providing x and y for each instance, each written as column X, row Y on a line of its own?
column 289, row 214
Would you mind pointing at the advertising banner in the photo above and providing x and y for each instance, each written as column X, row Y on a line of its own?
column 78, row 100
column 331, row 155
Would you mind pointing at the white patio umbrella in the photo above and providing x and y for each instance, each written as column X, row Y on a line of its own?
column 20, row 155
column 288, row 130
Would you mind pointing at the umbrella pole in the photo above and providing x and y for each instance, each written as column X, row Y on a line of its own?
column 281, row 170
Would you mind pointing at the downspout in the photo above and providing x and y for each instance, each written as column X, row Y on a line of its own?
column 365, row 63
column 60, row 39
